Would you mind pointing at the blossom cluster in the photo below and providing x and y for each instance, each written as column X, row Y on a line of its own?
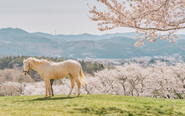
column 148, row 17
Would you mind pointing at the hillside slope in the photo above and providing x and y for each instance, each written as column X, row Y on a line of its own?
column 90, row 105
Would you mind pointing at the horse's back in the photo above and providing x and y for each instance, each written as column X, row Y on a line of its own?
column 62, row 69
column 72, row 63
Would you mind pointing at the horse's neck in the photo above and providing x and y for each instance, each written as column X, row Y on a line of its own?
column 36, row 66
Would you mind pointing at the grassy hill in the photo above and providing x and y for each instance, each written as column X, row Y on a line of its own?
column 110, row 105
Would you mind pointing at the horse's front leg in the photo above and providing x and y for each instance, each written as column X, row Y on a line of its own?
column 48, row 86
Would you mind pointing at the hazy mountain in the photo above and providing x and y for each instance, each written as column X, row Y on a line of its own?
column 119, row 45
column 12, row 31
column 68, row 38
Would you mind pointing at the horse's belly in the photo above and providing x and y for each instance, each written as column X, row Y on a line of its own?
column 59, row 76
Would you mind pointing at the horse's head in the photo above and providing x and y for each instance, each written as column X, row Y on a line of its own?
column 26, row 67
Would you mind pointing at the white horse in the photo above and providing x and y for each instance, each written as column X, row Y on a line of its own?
column 51, row 70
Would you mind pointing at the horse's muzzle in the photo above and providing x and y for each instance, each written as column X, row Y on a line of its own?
column 25, row 72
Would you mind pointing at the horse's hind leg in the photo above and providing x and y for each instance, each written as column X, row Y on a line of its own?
column 72, row 84
column 51, row 82
column 79, row 85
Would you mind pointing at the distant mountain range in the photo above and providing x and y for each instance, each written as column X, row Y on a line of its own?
column 119, row 45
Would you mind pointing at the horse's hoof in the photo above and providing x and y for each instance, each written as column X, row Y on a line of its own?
column 78, row 95
column 45, row 97
column 68, row 96
column 50, row 96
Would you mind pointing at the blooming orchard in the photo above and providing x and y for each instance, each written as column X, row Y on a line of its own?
column 159, row 81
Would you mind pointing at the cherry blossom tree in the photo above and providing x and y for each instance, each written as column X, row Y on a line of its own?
column 12, row 88
column 134, row 80
column 106, row 82
column 91, row 87
column 148, row 17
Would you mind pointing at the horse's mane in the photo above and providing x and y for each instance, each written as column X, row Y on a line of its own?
column 38, row 61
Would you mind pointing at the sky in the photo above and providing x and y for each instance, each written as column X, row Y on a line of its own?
column 53, row 16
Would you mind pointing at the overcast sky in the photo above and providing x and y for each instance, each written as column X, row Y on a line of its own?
column 64, row 16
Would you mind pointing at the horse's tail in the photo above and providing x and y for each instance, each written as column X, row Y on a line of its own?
column 82, row 78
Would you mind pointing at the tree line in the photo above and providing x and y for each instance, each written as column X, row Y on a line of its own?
column 11, row 61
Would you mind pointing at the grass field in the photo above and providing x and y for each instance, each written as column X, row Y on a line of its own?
column 109, row 105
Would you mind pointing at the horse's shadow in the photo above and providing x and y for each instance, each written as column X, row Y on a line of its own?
column 52, row 98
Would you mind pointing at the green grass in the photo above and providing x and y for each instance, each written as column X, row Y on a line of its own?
column 108, row 105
